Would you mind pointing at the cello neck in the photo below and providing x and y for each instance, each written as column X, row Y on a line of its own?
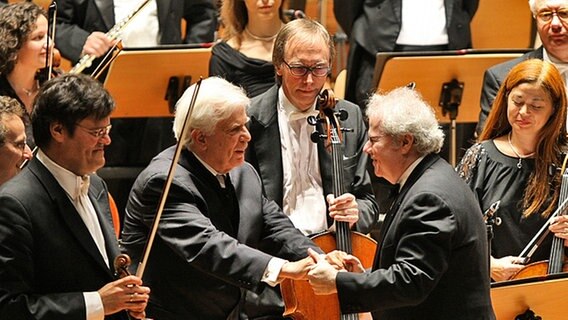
column 556, row 260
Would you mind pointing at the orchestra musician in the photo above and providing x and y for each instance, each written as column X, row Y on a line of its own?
column 81, row 25
column 552, row 29
column 514, row 162
column 218, row 235
column 244, row 57
column 13, row 148
column 395, row 26
column 432, row 257
column 58, row 243
column 23, row 51
column 296, row 172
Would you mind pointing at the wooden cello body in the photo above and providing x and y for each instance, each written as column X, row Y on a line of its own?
column 299, row 298
column 300, row 301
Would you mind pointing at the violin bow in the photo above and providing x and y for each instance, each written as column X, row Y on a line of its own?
column 166, row 190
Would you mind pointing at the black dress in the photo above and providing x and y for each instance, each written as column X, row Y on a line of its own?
column 7, row 90
column 494, row 176
column 254, row 75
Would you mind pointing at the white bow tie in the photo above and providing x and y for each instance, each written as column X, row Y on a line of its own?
column 297, row 115
column 82, row 186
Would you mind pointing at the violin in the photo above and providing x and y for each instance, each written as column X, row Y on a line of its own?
column 50, row 70
column 299, row 298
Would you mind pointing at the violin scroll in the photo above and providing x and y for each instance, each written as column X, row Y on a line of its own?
column 121, row 264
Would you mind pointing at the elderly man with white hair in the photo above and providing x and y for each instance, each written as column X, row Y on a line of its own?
column 432, row 262
column 218, row 234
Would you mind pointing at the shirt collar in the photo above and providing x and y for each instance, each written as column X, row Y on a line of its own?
column 402, row 180
column 219, row 176
column 73, row 184
column 560, row 65
column 291, row 112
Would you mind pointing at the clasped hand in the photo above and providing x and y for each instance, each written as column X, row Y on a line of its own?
column 323, row 273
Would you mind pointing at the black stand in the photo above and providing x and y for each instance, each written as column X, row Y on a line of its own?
column 528, row 315
column 450, row 100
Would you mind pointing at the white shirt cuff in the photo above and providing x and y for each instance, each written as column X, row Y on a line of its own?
column 272, row 271
column 94, row 306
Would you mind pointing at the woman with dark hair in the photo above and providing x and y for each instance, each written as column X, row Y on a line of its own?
column 514, row 162
column 245, row 54
column 23, row 51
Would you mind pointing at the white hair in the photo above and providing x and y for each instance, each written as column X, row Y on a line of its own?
column 217, row 99
column 532, row 5
column 403, row 111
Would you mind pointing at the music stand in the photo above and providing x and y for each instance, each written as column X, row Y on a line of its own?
column 147, row 82
column 545, row 296
column 459, row 72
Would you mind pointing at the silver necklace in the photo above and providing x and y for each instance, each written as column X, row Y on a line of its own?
column 255, row 37
column 521, row 157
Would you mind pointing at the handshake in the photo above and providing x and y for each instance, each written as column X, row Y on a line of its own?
column 321, row 269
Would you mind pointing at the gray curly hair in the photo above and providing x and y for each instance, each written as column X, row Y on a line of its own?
column 404, row 111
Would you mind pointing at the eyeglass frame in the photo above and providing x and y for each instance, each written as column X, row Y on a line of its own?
column 96, row 132
column 539, row 15
column 307, row 69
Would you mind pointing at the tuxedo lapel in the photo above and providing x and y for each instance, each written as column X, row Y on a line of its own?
column 449, row 7
column 99, row 199
column 397, row 9
column 106, row 10
column 395, row 207
column 65, row 209
column 267, row 145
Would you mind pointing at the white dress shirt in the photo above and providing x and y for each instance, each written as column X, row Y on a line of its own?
column 423, row 23
column 303, row 201
column 142, row 30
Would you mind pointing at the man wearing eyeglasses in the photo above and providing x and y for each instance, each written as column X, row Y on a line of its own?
column 552, row 25
column 13, row 148
column 56, row 234
column 296, row 172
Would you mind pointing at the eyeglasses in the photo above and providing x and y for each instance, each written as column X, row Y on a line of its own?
column 96, row 132
column 300, row 71
column 546, row 15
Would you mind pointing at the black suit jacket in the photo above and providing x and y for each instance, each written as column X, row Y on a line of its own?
column 432, row 262
column 47, row 256
column 375, row 24
column 265, row 154
column 492, row 80
column 76, row 19
column 196, row 270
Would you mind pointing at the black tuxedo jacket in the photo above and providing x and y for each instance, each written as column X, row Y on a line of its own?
column 432, row 262
column 76, row 19
column 47, row 256
column 492, row 80
column 265, row 154
column 196, row 270
column 375, row 24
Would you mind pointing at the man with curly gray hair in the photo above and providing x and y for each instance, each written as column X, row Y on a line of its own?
column 432, row 262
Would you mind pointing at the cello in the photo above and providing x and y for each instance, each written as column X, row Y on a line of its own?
column 299, row 299
column 555, row 263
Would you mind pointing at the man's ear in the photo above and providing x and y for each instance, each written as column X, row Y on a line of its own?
column 406, row 143
column 278, row 70
column 56, row 129
column 199, row 139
